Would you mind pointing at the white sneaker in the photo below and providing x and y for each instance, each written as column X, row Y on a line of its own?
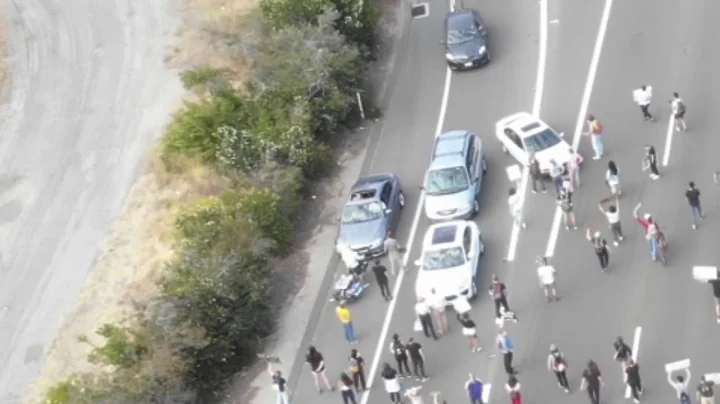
column 694, row 227
column 616, row 243
column 523, row 225
column 596, row 157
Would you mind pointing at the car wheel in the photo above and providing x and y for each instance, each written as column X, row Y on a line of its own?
column 505, row 149
column 484, row 167
column 473, row 288
column 401, row 200
column 482, row 250
column 476, row 206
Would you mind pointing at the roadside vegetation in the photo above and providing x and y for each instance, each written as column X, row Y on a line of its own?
column 252, row 147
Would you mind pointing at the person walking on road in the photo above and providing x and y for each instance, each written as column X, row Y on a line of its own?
column 612, row 179
column 397, row 348
column 345, row 316
column 678, row 111
column 357, row 370
column 316, row 361
column 601, row 247
column 516, row 208
column 612, row 213
column 506, row 347
column 680, row 384
column 595, row 131
column 279, row 385
column 437, row 305
column 536, row 175
column 469, row 330
column 423, row 312
column 556, row 174
column 395, row 252
column 705, row 392
column 392, row 383
column 592, row 381
column 346, row 387
column 573, row 166
column 546, row 274
column 498, row 291
column 513, row 389
column 382, row 279
column 693, row 197
column 643, row 97
column 632, row 378
column 716, row 294
column 623, row 353
column 474, row 386
column 652, row 232
column 417, row 357
column 650, row 162
column 566, row 206
column 557, row 364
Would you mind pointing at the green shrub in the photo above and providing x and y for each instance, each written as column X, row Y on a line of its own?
column 285, row 181
column 202, row 76
column 123, row 347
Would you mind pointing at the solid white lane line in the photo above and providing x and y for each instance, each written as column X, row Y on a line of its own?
column 668, row 140
column 486, row 393
column 587, row 93
column 401, row 274
column 635, row 350
column 537, row 103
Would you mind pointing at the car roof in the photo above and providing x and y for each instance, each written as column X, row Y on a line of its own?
column 526, row 125
column 450, row 148
column 460, row 19
column 444, row 234
column 368, row 188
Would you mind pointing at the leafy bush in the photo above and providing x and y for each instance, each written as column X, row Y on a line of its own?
column 202, row 75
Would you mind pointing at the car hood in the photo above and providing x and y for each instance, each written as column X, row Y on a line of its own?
column 468, row 49
column 446, row 282
column 458, row 201
column 560, row 153
column 359, row 235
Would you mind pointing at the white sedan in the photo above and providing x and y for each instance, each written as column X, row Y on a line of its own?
column 451, row 253
column 522, row 135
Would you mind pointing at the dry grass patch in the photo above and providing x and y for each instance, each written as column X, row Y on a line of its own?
column 130, row 262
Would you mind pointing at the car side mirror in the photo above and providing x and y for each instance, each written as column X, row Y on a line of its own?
column 388, row 211
column 562, row 134
column 418, row 262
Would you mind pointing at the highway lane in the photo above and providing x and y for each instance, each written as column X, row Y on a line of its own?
column 663, row 44
column 476, row 100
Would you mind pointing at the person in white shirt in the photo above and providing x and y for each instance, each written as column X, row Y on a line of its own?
column 573, row 166
column 423, row 312
column 516, row 208
column 612, row 213
column 612, row 178
column 512, row 387
column 643, row 97
column 350, row 258
column 680, row 384
column 546, row 273
column 395, row 252
column 437, row 304
column 678, row 111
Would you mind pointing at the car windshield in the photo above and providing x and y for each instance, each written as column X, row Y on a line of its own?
column 443, row 258
column 362, row 212
column 460, row 35
column 447, row 181
column 541, row 141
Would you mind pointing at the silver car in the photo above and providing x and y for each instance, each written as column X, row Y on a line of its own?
column 454, row 180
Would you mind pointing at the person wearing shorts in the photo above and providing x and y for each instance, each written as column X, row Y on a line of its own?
column 546, row 273
column 317, row 364
column 566, row 206
column 469, row 330
column 392, row 384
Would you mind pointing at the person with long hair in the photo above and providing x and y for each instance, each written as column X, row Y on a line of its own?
column 513, row 389
column 392, row 384
column 557, row 364
column 345, row 384
column 316, row 361
column 650, row 162
column 612, row 178
column 592, row 381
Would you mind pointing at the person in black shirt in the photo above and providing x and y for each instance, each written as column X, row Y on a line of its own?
column 417, row 358
column 600, row 246
column 693, row 197
column 470, row 332
column 397, row 348
column 382, row 279
column 705, row 393
column 345, row 384
column 716, row 294
column 392, row 384
column 623, row 353
column 317, row 364
column 279, row 385
column 592, row 381
column 357, row 370
column 632, row 378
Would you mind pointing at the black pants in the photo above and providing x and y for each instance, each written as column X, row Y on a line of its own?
column 385, row 289
column 418, row 367
column 427, row 325
column 594, row 393
column 635, row 389
column 507, row 362
column 535, row 181
column 646, row 111
column 402, row 360
column 502, row 301
column 348, row 397
column 359, row 380
column 654, row 169
column 562, row 379
column 604, row 258
column 395, row 398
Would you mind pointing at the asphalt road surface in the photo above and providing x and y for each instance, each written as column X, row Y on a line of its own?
column 89, row 92
column 596, row 55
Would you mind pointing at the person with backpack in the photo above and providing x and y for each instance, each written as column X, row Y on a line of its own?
column 600, row 246
column 557, row 364
column 652, row 232
column 399, row 351
column 612, row 179
column 566, row 206
column 474, row 386
column 513, row 389
column 357, row 370
column 678, row 111
column 650, row 162
column 595, row 131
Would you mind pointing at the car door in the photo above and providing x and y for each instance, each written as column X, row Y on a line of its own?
column 477, row 247
column 386, row 198
column 470, row 164
column 468, row 246
column 479, row 161
column 515, row 146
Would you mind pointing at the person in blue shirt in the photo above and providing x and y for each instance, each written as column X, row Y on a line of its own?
column 506, row 347
column 474, row 387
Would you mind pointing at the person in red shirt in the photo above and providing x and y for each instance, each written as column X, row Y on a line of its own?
column 652, row 232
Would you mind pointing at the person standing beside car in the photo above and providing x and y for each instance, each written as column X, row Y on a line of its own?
column 536, row 175
column 382, row 279
column 395, row 251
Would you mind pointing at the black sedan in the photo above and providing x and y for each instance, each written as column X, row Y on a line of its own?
column 465, row 40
